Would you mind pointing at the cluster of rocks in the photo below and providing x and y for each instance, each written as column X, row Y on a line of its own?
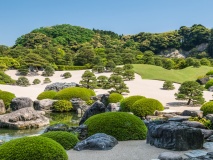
column 59, row 86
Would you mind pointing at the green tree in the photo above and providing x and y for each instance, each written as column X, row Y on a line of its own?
column 22, row 81
column 110, row 65
column 205, row 62
column 129, row 74
column 168, row 85
column 168, row 64
column 191, row 91
column 196, row 63
column 48, row 71
column 127, row 67
column 88, row 80
column 117, row 84
column 118, row 71
column 102, row 81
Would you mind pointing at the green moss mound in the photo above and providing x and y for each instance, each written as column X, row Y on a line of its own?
column 7, row 97
column 115, row 97
column 62, row 106
column 209, row 84
column 66, row 139
column 32, row 148
column 146, row 106
column 123, row 126
column 207, row 108
column 74, row 92
column 47, row 95
column 127, row 103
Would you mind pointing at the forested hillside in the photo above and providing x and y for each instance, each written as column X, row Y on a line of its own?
column 64, row 46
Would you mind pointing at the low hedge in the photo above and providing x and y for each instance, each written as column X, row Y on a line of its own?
column 66, row 139
column 32, row 148
column 74, row 92
column 47, row 95
column 115, row 97
column 62, row 106
column 207, row 108
column 6, row 97
column 123, row 126
column 146, row 106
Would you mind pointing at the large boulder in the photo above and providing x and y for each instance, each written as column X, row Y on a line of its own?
column 193, row 113
column 60, row 85
column 81, row 131
column 96, row 108
column 98, row 141
column 203, row 80
column 79, row 105
column 2, row 107
column 174, row 135
column 44, row 104
column 25, row 118
column 101, row 97
column 20, row 102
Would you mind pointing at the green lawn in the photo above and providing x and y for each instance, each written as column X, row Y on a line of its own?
column 178, row 76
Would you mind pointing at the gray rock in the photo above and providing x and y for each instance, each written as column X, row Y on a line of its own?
column 203, row 81
column 98, row 141
column 210, row 139
column 57, row 127
column 44, row 104
column 208, row 146
column 209, row 117
column 113, row 107
column 59, row 86
column 162, row 113
column 20, row 102
column 210, row 89
column 179, row 118
column 101, row 97
column 174, row 135
column 194, row 124
column 192, row 113
column 81, row 130
column 169, row 156
column 2, row 107
column 25, row 118
column 79, row 105
column 96, row 108
column 196, row 153
column 207, row 133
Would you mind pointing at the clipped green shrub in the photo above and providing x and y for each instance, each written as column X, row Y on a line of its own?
column 168, row 85
column 7, row 98
column 90, row 102
column 209, row 84
column 67, row 75
column 22, row 81
column 74, row 92
column 146, row 106
column 207, row 108
column 32, row 148
column 127, row 103
column 123, row 126
column 5, row 79
column 209, row 73
column 115, row 97
column 66, row 139
column 47, row 95
column 46, row 80
column 36, row 81
column 62, row 106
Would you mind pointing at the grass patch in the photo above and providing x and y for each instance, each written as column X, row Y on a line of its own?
column 178, row 76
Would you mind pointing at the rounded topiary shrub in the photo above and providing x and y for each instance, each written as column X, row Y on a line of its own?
column 146, row 106
column 32, row 148
column 168, row 85
column 74, row 92
column 115, row 97
column 66, row 139
column 22, row 81
column 210, row 73
column 47, row 95
column 36, row 81
column 207, row 108
column 7, row 98
column 62, row 106
column 127, row 103
column 67, row 75
column 123, row 126
column 209, row 84
column 46, row 80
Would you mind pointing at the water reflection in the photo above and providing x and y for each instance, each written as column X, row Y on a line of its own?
column 68, row 118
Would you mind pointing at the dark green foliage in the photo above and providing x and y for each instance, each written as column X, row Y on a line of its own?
column 23, row 70
column 102, row 81
column 209, row 84
column 6, row 97
column 210, row 73
column 129, row 75
column 46, row 95
column 66, row 139
column 5, row 79
column 22, row 81
column 146, row 106
column 205, row 62
column 48, row 71
column 64, row 68
column 32, row 148
column 98, row 68
column 74, row 92
column 196, row 63
column 115, row 97
column 88, row 80
column 122, row 126
column 168, row 85
column 36, row 81
column 67, row 75
column 117, row 84
column 110, row 65
column 191, row 91
column 46, row 80
column 128, row 67
column 128, row 102
column 62, row 106
column 207, row 108
column 118, row 71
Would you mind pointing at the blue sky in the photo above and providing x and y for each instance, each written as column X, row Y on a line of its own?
column 19, row 17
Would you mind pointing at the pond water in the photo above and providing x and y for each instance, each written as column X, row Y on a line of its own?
column 69, row 118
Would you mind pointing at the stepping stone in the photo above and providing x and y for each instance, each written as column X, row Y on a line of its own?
column 208, row 145
column 196, row 153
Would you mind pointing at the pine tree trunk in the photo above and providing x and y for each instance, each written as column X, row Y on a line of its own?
column 189, row 101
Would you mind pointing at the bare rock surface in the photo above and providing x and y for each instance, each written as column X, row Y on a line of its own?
column 20, row 102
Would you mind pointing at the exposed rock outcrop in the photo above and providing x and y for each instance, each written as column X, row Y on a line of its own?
column 59, row 86
column 20, row 102
column 44, row 104
column 2, row 107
